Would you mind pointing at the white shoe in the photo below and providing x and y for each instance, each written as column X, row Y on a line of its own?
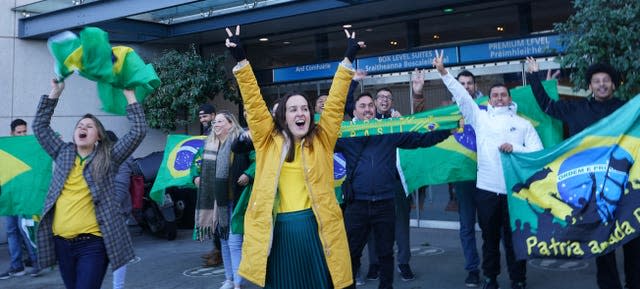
column 227, row 284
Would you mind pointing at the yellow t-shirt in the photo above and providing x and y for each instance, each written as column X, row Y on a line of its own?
column 74, row 211
column 294, row 195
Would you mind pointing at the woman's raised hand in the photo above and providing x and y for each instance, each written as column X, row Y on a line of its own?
column 353, row 46
column 57, row 87
column 234, row 45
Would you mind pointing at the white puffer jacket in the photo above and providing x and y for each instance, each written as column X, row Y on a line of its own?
column 494, row 127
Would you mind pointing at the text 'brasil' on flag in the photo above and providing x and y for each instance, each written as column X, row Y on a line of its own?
column 113, row 69
column 581, row 198
column 175, row 169
column 454, row 159
column 25, row 172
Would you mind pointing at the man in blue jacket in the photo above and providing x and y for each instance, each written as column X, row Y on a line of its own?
column 373, row 180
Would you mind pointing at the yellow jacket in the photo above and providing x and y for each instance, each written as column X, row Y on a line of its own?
column 271, row 148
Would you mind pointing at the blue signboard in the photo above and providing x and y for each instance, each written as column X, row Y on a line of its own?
column 405, row 61
column 510, row 49
column 305, row 72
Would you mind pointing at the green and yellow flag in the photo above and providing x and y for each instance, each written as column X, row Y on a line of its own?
column 454, row 159
column 25, row 173
column 580, row 198
column 113, row 68
column 175, row 170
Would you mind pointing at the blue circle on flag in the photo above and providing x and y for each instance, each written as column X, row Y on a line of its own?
column 339, row 166
column 466, row 138
column 185, row 154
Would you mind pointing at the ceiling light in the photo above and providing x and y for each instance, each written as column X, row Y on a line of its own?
column 393, row 42
column 347, row 26
column 448, row 10
column 500, row 28
column 264, row 39
column 286, row 42
column 369, row 29
column 436, row 36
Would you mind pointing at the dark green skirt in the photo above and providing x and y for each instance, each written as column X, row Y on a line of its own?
column 297, row 260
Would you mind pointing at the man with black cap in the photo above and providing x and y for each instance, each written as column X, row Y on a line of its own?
column 206, row 114
column 578, row 115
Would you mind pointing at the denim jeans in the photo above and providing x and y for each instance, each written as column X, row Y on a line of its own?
column 493, row 214
column 465, row 192
column 119, row 276
column 231, row 255
column 82, row 263
column 402, row 233
column 15, row 237
column 363, row 217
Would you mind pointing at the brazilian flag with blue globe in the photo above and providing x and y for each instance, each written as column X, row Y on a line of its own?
column 580, row 198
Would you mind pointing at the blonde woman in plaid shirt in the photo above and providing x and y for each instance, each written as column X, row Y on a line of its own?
column 82, row 228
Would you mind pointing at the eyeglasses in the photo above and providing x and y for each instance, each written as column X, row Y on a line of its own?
column 388, row 97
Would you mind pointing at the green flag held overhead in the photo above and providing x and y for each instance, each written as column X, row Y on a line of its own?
column 175, row 170
column 113, row 68
column 581, row 198
column 454, row 159
column 25, row 173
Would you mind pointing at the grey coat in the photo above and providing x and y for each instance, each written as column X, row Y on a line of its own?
column 116, row 237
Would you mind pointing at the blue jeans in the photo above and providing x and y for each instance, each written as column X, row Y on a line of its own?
column 15, row 237
column 231, row 255
column 467, row 211
column 361, row 218
column 83, row 263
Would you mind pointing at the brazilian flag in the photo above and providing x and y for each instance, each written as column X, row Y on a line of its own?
column 580, row 198
column 454, row 159
column 25, row 173
column 175, row 170
column 112, row 68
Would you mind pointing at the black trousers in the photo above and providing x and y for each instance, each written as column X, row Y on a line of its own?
column 493, row 217
column 608, row 269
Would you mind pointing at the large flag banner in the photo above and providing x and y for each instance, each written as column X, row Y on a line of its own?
column 113, row 68
column 175, row 170
column 454, row 159
column 581, row 198
column 25, row 173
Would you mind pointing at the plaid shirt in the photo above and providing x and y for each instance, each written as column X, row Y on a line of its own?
column 111, row 222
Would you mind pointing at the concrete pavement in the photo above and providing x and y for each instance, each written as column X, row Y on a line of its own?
column 165, row 264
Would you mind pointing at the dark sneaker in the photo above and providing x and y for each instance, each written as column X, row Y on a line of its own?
column 473, row 279
column 35, row 271
column 374, row 272
column 405, row 272
column 518, row 285
column 12, row 273
column 490, row 284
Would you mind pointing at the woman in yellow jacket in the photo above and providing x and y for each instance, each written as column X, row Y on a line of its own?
column 294, row 230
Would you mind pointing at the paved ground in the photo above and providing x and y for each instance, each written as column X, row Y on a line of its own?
column 176, row 264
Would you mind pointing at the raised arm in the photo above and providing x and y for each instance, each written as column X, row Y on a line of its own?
column 351, row 102
column 126, row 145
column 417, row 85
column 333, row 113
column 259, row 118
column 47, row 138
column 556, row 109
column 468, row 107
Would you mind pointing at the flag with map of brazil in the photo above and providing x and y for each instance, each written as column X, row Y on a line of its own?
column 175, row 169
column 25, row 173
column 580, row 198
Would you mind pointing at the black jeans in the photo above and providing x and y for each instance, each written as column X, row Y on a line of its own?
column 607, row 273
column 493, row 217
column 362, row 217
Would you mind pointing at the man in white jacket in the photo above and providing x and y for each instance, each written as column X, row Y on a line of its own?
column 498, row 129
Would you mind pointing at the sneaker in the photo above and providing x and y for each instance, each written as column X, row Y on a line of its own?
column 405, row 272
column 490, row 284
column 227, row 284
column 12, row 273
column 35, row 271
column 374, row 272
column 473, row 279
column 359, row 280
column 518, row 285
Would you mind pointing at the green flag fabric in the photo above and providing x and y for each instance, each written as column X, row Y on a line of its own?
column 25, row 173
column 175, row 170
column 113, row 68
column 454, row 159
column 580, row 198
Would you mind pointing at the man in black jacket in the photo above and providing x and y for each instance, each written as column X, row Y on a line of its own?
column 578, row 115
column 372, row 174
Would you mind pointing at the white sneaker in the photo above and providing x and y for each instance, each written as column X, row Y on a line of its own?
column 227, row 284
